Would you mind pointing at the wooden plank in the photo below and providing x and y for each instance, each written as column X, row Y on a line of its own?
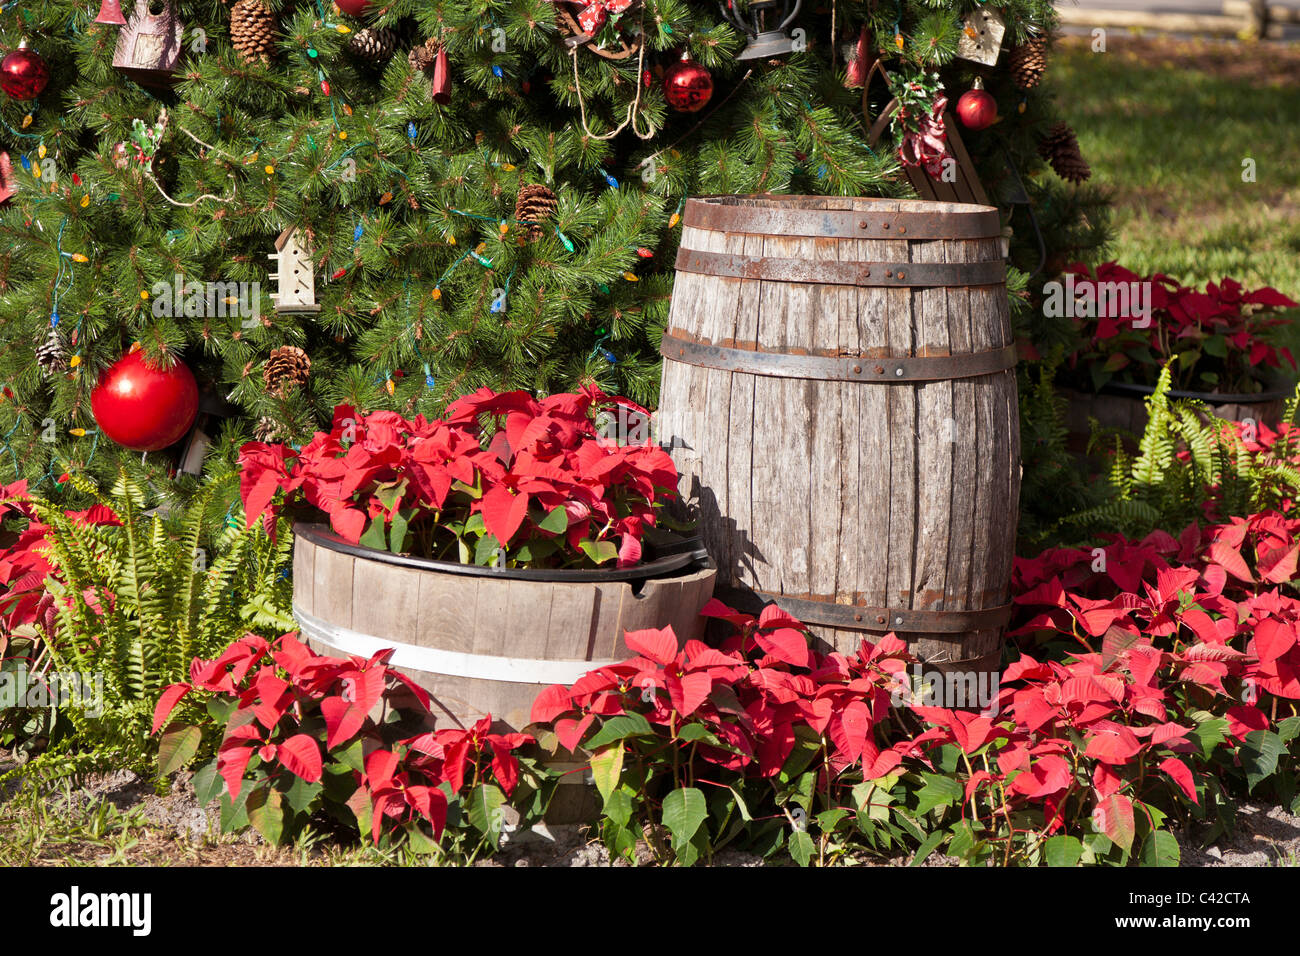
column 997, row 474
column 825, row 527
column 448, row 612
column 492, row 606
column 304, row 573
column 697, row 589
column 966, row 169
column 900, row 497
column 849, row 336
column 875, row 465
column 961, row 505
column 386, row 601
column 934, row 440
column 652, row 608
column 570, row 631
column 782, row 441
column 526, row 624
column 607, row 636
column 719, row 314
column 332, row 590
column 739, row 519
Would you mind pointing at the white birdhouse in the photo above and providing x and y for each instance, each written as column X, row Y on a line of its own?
column 981, row 36
column 295, row 278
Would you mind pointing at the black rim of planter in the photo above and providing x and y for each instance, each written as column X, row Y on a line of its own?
column 1209, row 398
column 679, row 554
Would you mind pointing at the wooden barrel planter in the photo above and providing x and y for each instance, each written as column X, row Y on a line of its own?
column 482, row 640
column 840, row 394
column 1123, row 406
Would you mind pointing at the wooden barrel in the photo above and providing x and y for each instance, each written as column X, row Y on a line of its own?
column 477, row 639
column 483, row 641
column 840, row 395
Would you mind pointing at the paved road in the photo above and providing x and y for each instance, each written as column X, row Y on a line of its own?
column 1166, row 6
column 1290, row 30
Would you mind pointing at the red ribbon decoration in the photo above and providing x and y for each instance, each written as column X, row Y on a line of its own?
column 594, row 14
column 926, row 144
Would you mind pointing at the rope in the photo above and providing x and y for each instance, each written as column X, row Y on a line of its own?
column 631, row 110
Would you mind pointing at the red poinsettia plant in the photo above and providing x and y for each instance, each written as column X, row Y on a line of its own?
column 768, row 742
column 1221, row 339
column 502, row 475
column 27, row 607
column 306, row 736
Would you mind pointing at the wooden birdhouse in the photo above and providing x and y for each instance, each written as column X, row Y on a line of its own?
column 149, row 46
column 295, row 277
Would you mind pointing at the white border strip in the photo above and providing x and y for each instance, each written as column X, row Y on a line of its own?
column 451, row 663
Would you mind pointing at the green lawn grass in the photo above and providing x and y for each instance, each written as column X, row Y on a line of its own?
column 1167, row 125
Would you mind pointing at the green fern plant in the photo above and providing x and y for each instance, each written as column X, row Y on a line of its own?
column 137, row 602
column 1188, row 461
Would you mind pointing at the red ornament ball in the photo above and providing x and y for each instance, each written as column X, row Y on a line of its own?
column 145, row 408
column 977, row 109
column 353, row 8
column 23, row 74
column 688, row 87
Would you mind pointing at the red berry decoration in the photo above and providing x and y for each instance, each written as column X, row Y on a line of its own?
column 688, row 87
column 23, row 73
column 353, row 8
column 145, row 408
column 977, row 109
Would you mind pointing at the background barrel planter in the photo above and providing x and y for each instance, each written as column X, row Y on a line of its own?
column 482, row 640
column 1123, row 406
column 840, row 394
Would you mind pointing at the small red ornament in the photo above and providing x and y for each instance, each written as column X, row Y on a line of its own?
column 353, row 8
column 977, row 109
column 688, row 87
column 23, row 73
column 145, row 408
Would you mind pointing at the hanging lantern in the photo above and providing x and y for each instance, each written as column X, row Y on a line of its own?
column 765, row 23
column 149, row 47
column 110, row 11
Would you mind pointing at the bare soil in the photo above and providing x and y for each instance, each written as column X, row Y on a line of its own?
column 173, row 830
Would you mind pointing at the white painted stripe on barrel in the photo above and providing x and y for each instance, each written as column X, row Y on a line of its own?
column 435, row 660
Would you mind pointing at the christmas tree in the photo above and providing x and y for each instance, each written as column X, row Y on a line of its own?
column 393, row 204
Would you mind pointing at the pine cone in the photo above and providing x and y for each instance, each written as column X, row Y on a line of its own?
column 375, row 44
column 1060, row 147
column 267, row 430
column 252, row 30
column 52, row 354
column 536, row 205
column 422, row 57
column 1028, row 62
column 287, row 366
